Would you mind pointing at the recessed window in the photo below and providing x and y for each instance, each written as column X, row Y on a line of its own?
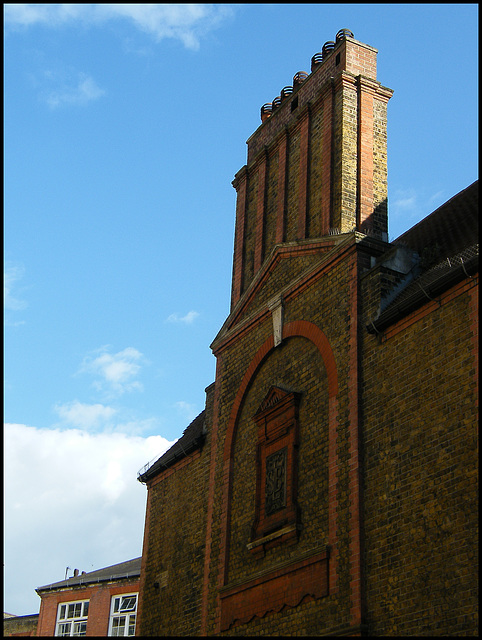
column 277, row 516
column 72, row 618
column 294, row 104
column 123, row 615
column 337, row 59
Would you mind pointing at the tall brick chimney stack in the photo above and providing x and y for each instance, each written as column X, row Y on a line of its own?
column 317, row 165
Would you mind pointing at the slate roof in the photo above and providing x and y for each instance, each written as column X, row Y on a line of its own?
column 446, row 251
column 453, row 226
column 128, row 569
column 191, row 439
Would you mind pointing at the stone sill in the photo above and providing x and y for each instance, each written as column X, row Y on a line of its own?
column 292, row 528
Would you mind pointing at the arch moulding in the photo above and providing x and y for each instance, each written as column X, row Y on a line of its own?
column 304, row 329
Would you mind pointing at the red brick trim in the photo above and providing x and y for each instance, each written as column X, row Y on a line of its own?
column 281, row 252
column 238, row 261
column 364, row 220
column 226, row 337
column 260, row 214
column 303, row 183
column 282, row 177
column 271, row 592
column 301, row 328
column 327, row 162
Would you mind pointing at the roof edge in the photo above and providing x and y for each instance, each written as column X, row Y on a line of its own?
column 424, row 294
column 94, row 577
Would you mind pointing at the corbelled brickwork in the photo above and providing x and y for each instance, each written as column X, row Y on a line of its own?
column 318, row 163
column 333, row 492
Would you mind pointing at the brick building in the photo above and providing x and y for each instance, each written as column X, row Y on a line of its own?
column 329, row 486
column 19, row 625
column 98, row 603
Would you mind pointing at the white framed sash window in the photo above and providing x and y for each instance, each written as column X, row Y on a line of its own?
column 123, row 615
column 72, row 618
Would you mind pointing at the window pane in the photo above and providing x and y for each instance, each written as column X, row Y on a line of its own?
column 80, row 629
column 132, row 625
column 116, row 605
column 128, row 603
column 62, row 612
column 75, row 610
column 118, row 626
column 64, row 629
column 86, row 609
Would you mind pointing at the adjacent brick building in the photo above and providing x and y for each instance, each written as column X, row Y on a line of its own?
column 98, row 603
column 329, row 486
column 20, row 625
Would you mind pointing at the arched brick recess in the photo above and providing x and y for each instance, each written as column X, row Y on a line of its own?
column 305, row 329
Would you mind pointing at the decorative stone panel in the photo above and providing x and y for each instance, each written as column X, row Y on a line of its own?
column 277, row 517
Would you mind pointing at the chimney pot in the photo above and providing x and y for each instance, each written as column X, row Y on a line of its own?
column 266, row 110
column 327, row 48
column 316, row 60
column 299, row 78
column 76, row 573
column 344, row 33
column 286, row 92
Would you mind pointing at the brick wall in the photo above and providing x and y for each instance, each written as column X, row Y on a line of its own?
column 20, row 625
column 172, row 572
column 251, row 365
column 174, row 560
column 99, row 596
column 420, row 440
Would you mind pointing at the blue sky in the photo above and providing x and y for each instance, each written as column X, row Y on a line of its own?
column 124, row 126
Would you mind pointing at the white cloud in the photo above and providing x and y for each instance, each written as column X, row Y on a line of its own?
column 405, row 203
column 11, row 276
column 187, row 319
column 115, row 373
column 185, row 22
column 77, row 91
column 437, row 195
column 411, row 204
column 71, row 498
column 405, row 200
column 85, row 416
column 189, row 411
column 102, row 418
column 26, row 15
